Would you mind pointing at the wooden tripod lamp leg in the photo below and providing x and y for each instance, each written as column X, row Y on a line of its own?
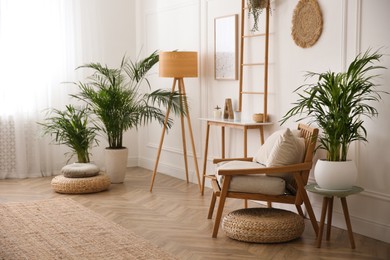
column 183, row 91
column 183, row 134
column 162, row 139
column 205, row 157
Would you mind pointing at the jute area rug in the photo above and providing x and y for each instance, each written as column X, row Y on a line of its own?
column 64, row 229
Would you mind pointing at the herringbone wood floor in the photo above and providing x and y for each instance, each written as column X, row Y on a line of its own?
column 174, row 218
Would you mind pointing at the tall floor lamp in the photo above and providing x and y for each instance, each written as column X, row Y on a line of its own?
column 178, row 65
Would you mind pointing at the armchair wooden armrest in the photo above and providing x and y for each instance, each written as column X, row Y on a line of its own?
column 218, row 160
column 268, row 170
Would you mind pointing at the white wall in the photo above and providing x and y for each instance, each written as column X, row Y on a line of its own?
column 349, row 28
column 107, row 32
column 166, row 26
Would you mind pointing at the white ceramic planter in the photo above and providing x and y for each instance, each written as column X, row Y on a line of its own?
column 116, row 163
column 335, row 175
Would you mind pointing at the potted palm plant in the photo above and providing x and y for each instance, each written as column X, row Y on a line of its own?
column 338, row 103
column 115, row 97
column 71, row 127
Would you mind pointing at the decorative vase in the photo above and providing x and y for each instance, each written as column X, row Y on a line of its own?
column 217, row 113
column 332, row 175
column 237, row 116
column 228, row 110
column 116, row 163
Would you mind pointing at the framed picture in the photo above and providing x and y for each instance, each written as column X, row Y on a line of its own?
column 225, row 47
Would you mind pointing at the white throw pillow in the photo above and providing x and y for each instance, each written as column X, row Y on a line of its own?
column 266, row 149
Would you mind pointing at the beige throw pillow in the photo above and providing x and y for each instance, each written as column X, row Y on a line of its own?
column 283, row 147
column 287, row 149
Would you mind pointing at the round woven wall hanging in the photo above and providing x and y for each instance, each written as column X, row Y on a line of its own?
column 306, row 23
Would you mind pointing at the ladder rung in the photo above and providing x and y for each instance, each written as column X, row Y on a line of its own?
column 253, row 64
column 252, row 92
column 253, row 35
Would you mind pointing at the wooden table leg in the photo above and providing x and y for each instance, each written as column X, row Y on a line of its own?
column 322, row 221
column 261, row 129
column 329, row 222
column 245, row 142
column 246, row 155
column 348, row 221
column 205, row 157
column 223, row 141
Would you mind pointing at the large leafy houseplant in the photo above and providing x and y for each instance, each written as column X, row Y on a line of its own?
column 339, row 102
column 71, row 127
column 115, row 97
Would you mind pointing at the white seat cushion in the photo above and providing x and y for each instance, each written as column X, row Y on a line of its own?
column 259, row 183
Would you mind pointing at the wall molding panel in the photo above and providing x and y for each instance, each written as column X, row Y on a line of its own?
column 168, row 169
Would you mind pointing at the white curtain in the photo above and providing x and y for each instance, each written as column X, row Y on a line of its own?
column 37, row 54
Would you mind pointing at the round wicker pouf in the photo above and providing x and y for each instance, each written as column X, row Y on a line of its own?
column 66, row 185
column 263, row 225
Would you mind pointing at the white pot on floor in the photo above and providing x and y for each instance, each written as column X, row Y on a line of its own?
column 332, row 175
column 116, row 164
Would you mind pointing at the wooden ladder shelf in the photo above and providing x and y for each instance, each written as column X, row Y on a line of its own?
column 264, row 92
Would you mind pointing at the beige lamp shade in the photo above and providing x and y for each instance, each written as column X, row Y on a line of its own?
column 178, row 64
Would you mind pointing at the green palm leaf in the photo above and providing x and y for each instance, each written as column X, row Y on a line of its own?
column 339, row 102
column 71, row 128
column 114, row 97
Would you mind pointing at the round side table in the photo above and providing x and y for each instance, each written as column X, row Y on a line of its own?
column 327, row 205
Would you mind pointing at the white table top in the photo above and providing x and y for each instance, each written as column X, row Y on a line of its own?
column 233, row 122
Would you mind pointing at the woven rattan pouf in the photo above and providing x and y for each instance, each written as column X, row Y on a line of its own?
column 66, row 185
column 263, row 225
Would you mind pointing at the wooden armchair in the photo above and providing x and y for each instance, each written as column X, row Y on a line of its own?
column 299, row 174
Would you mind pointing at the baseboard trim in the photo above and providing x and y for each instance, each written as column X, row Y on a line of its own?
column 360, row 225
column 132, row 161
column 168, row 169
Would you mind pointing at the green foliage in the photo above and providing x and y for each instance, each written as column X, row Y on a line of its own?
column 338, row 104
column 255, row 8
column 114, row 97
column 70, row 127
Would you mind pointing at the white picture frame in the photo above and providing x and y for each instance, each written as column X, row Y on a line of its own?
column 225, row 47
